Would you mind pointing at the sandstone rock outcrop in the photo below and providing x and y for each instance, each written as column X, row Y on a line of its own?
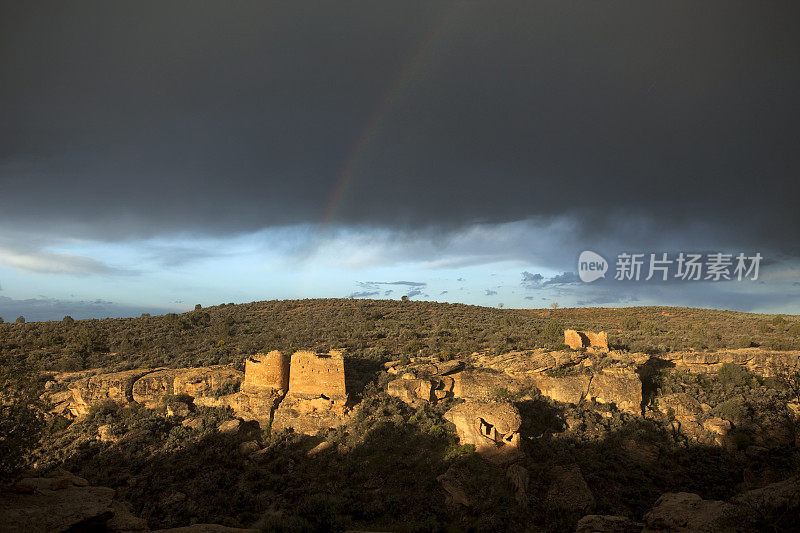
column 199, row 382
column 760, row 362
column 586, row 339
column 520, row 478
column 206, row 528
column 116, row 386
column 492, row 427
column 64, row 502
column 454, row 488
column 317, row 396
column 618, row 385
column 312, row 385
column 416, row 391
column 684, row 511
column 594, row 523
column 565, row 389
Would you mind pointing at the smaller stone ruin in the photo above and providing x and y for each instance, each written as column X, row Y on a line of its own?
column 586, row 339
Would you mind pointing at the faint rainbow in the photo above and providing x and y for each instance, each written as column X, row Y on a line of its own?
column 401, row 81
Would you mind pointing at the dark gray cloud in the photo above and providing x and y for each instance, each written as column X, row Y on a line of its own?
column 150, row 118
column 565, row 278
column 374, row 288
column 531, row 281
column 490, row 292
column 408, row 283
column 538, row 281
column 364, row 294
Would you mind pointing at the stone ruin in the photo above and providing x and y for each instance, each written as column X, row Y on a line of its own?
column 266, row 372
column 586, row 339
column 306, row 392
column 316, row 396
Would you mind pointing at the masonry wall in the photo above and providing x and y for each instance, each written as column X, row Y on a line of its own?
column 585, row 339
column 266, row 371
column 317, row 374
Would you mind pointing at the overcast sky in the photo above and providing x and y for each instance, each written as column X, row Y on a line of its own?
column 155, row 155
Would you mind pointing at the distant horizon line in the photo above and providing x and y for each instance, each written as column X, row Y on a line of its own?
column 398, row 300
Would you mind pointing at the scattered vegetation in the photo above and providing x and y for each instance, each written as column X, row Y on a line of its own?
column 381, row 470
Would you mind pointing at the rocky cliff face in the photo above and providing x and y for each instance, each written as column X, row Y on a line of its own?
column 316, row 397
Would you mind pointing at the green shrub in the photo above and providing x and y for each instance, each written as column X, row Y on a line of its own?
column 500, row 394
column 734, row 410
column 732, row 374
column 553, row 332
column 630, row 323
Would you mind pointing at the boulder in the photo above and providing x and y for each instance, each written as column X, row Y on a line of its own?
column 308, row 414
column 177, row 409
column 683, row 406
column 519, row 477
column 453, row 487
column 448, row 367
column 230, row 427
column 250, row 406
column 135, row 436
column 687, row 512
column 595, row 523
column 205, row 528
column 319, row 448
column 568, row 489
column 481, row 384
column 767, row 504
column 248, row 447
column 46, row 510
column 618, row 385
column 566, row 389
column 106, row 434
column 123, row 520
column 411, row 391
column 492, row 427
column 192, row 423
column 718, row 427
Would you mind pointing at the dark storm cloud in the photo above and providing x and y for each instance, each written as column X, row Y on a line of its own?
column 154, row 118
column 564, row 278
